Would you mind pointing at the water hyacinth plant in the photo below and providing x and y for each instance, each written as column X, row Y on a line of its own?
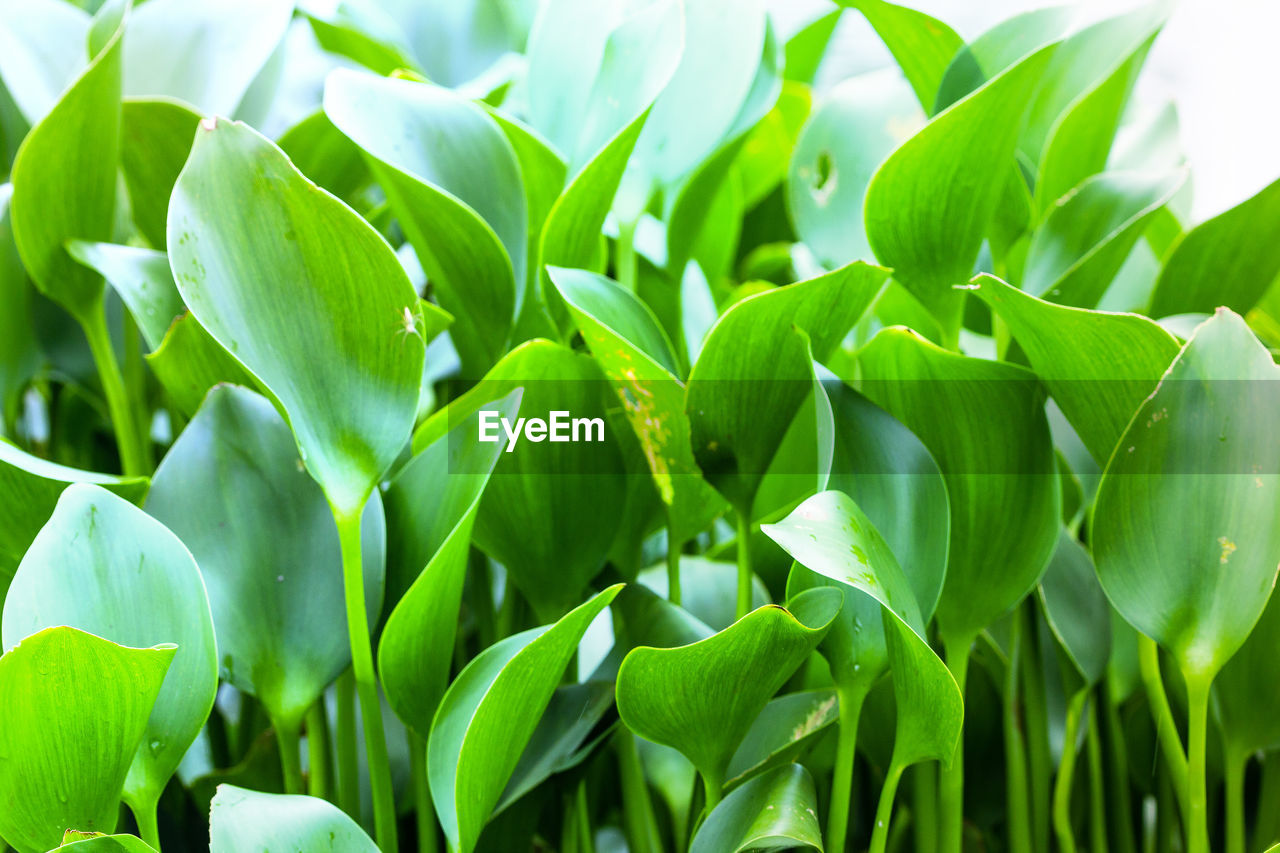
column 592, row 425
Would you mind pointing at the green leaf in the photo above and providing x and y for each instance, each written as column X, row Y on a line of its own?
column 489, row 714
column 787, row 727
column 552, row 509
column 892, row 477
column 775, row 811
column 1228, row 260
column 20, row 355
column 325, row 155
column 76, row 708
column 143, row 281
column 1087, row 234
column 1098, row 366
column 454, row 183
column 29, row 490
column 702, row 698
column 241, row 820
column 807, row 46
column 189, row 362
column 929, row 205
column 247, row 233
column 634, row 352
column 270, row 557
column 985, row 425
column 997, row 49
column 1245, row 692
column 748, row 382
column 1076, row 609
column 80, row 842
column 155, row 137
column 104, row 566
column 64, row 178
column 707, row 590
column 857, row 125
column 1193, row 488
column 431, row 510
column 204, row 54
column 922, row 45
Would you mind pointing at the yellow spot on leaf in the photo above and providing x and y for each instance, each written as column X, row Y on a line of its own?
column 1228, row 548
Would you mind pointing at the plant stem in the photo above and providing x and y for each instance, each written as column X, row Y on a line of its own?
column 289, row 741
column 744, row 565
column 1122, row 830
column 637, row 807
column 1016, row 785
column 924, row 806
column 1197, row 733
column 375, row 742
column 144, row 814
column 1066, row 774
column 1162, row 714
column 1097, row 785
column 850, row 697
column 713, row 788
column 884, row 809
column 1035, row 728
column 951, row 787
column 1166, row 817
column 1236, row 760
column 348, row 768
column 673, row 569
column 625, row 263
column 584, row 819
column 428, row 841
column 318, row 751
column 134, row 453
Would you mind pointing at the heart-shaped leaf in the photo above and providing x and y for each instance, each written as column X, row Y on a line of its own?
column 455, row 185
column 247, row 820
column 774, row 811
column 271, row 558
column 999, row 467
column 76, row 708
column 431, row 510
column 1076, row 609
column 104, row 566
column 930, row 204
column 1193, row 487
column 702, row 698
column 1098, row 366
column 489, row 714
column 350, row 339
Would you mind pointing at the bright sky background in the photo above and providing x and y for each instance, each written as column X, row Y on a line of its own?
column 1216, row 59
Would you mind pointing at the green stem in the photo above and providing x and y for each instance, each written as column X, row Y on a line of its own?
column 1035, row 728
column 318, row 751
column 1166, row 815
column 1162, row 714
column 1097, row 785
column 428, row 840
column 951, row 787
column 884, row 809
column 1197, row 733
column 588, row 844
column 924, row 807
column 1017, row 804
column 744, row 565
column 375, row 742
column 637, row 807
column 673, row 569
column 289, row 741
column 713, row 789
column 625, row 264
column 1266, row 830
column 1236, row 762
column 850, row 698
column 1066, row 774
column 134, row 454
column 348, row 766
column 148, row 827
column 1122, row 829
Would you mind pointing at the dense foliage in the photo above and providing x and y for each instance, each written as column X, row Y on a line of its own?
column 936, row 501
